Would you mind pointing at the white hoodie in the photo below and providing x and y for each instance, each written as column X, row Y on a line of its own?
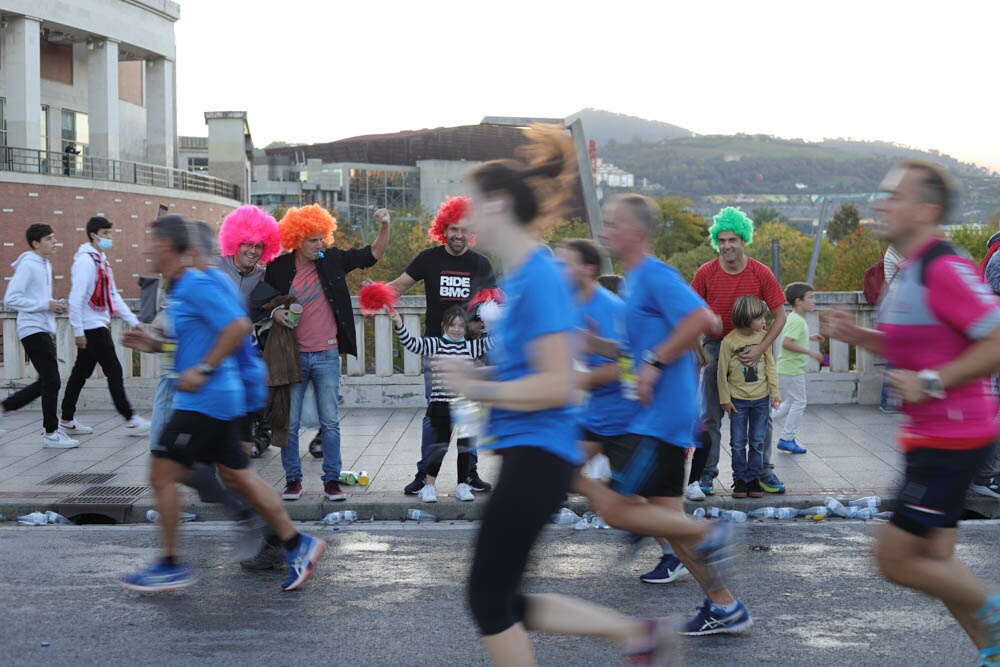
column 29, row 293
column 82, row 315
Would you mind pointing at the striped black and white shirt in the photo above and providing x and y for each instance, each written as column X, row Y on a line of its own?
column 436, row 346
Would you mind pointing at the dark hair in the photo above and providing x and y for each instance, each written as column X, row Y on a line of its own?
column 589, row 253
column 796, row 291
column 611, row 282
column 537, row 188
column 937, row 186
column 452, row 313
column 175, row 229
column 96, row 224
column 746, row 310
column 36, row 232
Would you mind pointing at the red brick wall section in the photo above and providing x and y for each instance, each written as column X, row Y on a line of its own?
column 67, row 210
column 57, row 62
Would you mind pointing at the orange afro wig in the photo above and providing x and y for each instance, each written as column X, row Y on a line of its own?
column 450, row 212
column 249, row 224
column 298, row 224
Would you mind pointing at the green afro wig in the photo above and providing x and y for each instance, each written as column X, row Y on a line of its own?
column 731, row 219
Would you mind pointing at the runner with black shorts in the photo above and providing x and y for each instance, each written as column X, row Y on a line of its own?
column 939, row 328
column 210, row 327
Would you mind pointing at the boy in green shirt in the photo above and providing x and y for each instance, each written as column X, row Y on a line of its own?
column 792, row 364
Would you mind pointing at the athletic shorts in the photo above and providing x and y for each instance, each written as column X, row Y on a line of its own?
column 606, row 442
column 645, row 466
column 244, row 428
column 191, row 437
column 934, row 485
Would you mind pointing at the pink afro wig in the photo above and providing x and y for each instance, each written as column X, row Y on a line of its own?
column 298, row 224
column 450, row 212
column 249, row 224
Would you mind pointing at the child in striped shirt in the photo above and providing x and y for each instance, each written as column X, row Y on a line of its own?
column 453, row 343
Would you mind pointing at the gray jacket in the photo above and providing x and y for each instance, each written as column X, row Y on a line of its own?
column 246, row 282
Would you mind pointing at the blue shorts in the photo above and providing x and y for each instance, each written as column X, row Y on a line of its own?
column 934, row 485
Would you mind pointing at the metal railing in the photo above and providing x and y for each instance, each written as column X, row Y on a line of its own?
column 70, row 165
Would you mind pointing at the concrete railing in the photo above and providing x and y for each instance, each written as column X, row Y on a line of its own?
column 385, row 374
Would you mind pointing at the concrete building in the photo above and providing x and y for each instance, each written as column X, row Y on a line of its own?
column 88, row 127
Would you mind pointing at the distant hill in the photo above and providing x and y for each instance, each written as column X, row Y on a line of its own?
column 604, row 126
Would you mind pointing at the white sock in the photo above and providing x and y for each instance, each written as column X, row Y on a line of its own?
column 727, row 608
column 667, row 549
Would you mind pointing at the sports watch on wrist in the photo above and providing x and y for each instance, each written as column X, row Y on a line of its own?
column 205, row 368
column 930, row 382
column 649, row 357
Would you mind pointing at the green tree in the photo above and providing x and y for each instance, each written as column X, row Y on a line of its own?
column 795, row 252
column 687, row 262
column 681, row 230
column 973, row 237
column 844, row 221
column 855, row 253
column 576, row 228
column 765, row 214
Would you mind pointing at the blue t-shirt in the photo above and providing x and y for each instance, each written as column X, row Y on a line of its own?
column 607, row 411
column 539, row 303
column 657, row 298
column 201, row 307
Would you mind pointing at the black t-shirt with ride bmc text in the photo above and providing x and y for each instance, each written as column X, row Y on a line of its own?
column 449, row 281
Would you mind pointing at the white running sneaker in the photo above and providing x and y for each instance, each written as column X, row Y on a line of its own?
column 694, row 492
column 428, row 494
column 74, row 427
column 137, row 425
column 58, row 440
column 464, row 492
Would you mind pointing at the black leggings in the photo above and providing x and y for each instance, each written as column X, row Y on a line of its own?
column 533, row 484
column 100, row 350
column 41, row 349
column 699, row 459
column 442, row 436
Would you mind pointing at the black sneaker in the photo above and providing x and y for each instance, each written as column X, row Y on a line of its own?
column 477, row 483
column 270, row 557
column 413, row 488
column 316, row 446
column 739, row 489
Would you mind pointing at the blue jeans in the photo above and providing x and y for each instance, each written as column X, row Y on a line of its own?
column 322, row 369
column 748, row 423
column 428, row 434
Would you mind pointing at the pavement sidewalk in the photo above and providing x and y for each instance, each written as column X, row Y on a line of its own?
column 851, row 454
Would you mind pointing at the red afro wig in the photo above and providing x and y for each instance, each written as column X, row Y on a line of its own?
column 298, row 224
column 450, row 212
column 249, row 224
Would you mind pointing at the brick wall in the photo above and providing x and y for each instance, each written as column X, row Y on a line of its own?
column 67, row 210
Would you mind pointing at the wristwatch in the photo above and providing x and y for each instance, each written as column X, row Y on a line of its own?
column 204, row 367
column 649, row 357
column 931, row 383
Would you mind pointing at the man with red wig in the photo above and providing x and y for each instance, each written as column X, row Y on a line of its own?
column 452, row 275
column 315, row 273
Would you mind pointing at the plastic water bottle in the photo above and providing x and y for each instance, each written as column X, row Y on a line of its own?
column 363, row 478
column 870, row 502
column 835, row 506
column 863, row 513
column 348, row 477
column 154, row 517
column 468, row 418
column 699, row 513
column 818, row 510
column 735, row 516
column 763, row 513
column 786, row 513
column 565, row 517
column 334, row 518
column 590, row 520
column 421, row 515
column 33, row 519
column 884, row 516
column 57, row 519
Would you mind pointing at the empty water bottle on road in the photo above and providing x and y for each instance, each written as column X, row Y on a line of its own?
column 763, row 513
column 835, row 506
column 863, row 513
column 421, row 515
column 334, row 518
column 348, row 477
column 33, row 519
column 735, row 516
column 818, row 510
column 154, row 516
column 57, row 519
column 565, row 517
column 870, row 502
column 885, row 516
column 786, row 513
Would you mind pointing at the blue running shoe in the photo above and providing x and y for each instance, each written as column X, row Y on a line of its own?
column 707, row 483
column 669, row 568
column 158, row 577
column 791, row 446
column 771, row 484
column 302, row 561
column 712, row 620
column 988, row 620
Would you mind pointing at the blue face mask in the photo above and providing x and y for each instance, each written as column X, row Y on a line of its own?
column 453, row 340
column 104, row 244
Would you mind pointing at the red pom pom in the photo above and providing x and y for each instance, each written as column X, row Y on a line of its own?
column 488, row 294
column 373, row 297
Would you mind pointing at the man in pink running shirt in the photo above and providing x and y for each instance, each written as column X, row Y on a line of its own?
column 939, row 328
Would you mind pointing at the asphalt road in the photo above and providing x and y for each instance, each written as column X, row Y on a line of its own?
column 393, row 594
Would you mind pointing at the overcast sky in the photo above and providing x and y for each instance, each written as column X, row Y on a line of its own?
column 917, row 73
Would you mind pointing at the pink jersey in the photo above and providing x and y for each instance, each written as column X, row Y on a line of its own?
column 933, row 312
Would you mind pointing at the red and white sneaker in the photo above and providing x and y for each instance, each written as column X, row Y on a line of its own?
column 73, row 427
column 293, row 489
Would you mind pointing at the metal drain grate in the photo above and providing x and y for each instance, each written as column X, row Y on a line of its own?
column 80, row 478
column 107, row 495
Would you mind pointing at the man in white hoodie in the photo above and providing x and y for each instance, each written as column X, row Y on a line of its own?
column 93, row 301
column 30, row 294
